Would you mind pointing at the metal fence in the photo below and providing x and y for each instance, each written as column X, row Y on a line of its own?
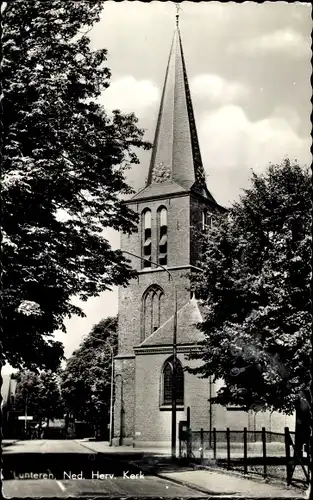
column 270, row 454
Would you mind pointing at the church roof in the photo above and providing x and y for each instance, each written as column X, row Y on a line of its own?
column 187, row 332
column 176, row 162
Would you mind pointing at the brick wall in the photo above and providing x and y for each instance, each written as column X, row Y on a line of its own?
column 130, row 304
column 178, row 209
column 153, row 424
column 179, row 254
column 254, row 421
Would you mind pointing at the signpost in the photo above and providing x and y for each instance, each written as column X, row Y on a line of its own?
column 26, row 418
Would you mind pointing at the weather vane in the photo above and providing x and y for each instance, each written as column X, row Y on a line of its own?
column 178, row 8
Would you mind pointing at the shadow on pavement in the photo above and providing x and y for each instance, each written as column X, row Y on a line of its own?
column 154, row 465
column 6, row 444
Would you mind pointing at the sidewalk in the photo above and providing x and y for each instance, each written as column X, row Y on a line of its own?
column 104, row 447
column 219, row 483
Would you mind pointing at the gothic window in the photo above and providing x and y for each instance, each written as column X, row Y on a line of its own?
column 162, row 236
column 152, row 303
column 167, row 377
column 146, row 237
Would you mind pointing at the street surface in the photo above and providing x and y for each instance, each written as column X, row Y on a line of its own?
column 63, row 468
column 52, row 468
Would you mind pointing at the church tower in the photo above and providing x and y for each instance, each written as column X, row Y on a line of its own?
column 174, row 202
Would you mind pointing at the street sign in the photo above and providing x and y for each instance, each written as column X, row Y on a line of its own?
column 26, row 418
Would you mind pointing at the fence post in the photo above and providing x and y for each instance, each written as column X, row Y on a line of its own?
column 214, row 443
column 179, row 441
column 189, row 435
column 264, row 452
column 245, row 451
column 201, row 443
column 189, row 442
column 287, row 452
column 228, row 447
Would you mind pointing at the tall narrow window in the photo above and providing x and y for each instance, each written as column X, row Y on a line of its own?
column 155, row 310
column 162, row 233
column 146, row 250
column 206, row 220
column 148, row 315
column 168, row 382
column 161, row 305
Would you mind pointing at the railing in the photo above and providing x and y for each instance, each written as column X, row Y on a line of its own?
column 270, row 454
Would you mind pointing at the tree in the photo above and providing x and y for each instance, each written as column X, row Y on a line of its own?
column 86, row 380
column 255, row 291
column 64, row 162
column 39, row 395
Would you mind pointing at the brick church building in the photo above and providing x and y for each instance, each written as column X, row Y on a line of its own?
column 175, row 200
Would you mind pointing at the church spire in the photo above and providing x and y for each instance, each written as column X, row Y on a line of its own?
column 176, row 154
column 178, row 8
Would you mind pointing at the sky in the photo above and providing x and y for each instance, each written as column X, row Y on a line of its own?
column 249, row 73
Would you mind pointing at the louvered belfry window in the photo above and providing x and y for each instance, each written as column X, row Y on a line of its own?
column 162, row 250
column 168, row 382
column 146, row 250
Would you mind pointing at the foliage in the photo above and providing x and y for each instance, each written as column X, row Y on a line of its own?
column 41, row 395
column 64, row 160
column 255, row 293
column 86, row 380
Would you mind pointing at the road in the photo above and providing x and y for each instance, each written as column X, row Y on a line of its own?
column 54, row 468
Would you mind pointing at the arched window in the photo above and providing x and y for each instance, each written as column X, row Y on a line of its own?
column 146, row 237
column 152, row 302
column 162, row 236
column 167, row 379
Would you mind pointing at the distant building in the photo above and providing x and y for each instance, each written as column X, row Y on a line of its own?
column 175, row 200
column 9, row 415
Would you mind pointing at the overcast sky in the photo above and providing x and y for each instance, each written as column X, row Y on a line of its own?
column 249, row 73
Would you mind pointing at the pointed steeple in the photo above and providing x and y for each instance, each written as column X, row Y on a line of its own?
column 176, row 154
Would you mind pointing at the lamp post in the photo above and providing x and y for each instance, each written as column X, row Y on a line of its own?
column 111, row 395
column 174, row 377
column 25, row 423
